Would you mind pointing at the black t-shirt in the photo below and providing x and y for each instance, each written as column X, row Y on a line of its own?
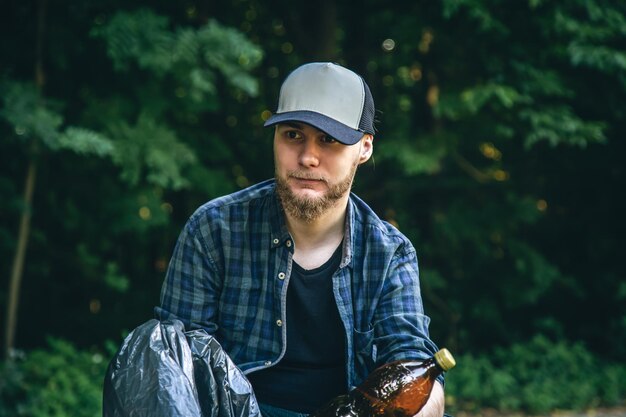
column 313, row 369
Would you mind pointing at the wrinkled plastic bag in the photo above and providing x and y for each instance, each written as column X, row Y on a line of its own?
column 162, row 371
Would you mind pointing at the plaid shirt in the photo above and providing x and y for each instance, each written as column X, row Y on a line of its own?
column 231, row 267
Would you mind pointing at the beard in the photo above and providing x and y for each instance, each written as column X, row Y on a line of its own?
column 310, row 209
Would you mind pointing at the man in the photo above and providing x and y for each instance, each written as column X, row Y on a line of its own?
column 305, row 288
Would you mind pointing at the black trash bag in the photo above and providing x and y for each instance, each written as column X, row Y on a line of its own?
column 161, row 371
column 229, row 392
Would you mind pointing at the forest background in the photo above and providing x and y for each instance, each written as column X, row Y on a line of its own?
column 499, row 153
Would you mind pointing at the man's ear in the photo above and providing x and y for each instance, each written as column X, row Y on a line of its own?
column 367, row 147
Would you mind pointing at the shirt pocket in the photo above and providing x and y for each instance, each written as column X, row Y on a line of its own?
column 364, row 352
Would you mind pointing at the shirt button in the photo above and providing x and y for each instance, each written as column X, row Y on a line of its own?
column 281, row 275
column 268, row 363
column 279, row 322
column 276, row 241
column 288, row 243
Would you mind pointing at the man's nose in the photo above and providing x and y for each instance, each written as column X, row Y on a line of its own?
column 309, row 154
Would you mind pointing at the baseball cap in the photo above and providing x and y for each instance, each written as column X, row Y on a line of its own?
column 328, row 97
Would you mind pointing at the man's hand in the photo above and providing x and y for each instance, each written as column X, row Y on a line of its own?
column 434, row 406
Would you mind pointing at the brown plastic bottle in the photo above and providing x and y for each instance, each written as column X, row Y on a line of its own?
column 397, row 389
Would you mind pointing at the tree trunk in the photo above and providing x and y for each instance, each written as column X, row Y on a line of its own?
column 19, row 258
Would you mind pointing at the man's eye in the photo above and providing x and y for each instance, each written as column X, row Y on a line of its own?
column 328, row 139
column 292, row 134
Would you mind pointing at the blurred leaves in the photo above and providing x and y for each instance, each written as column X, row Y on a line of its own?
column 559, row 125
column 114, row 279
column 418, row 156
column 191, row 56
column 533, row 94
column 33, row 117
column 59, row 381
column 472, row 100
column 498, row 154
column 86, row 142
column 595, row 33
column 29, row 114
column 538, row 376
column 148, row 151
column 123, row 147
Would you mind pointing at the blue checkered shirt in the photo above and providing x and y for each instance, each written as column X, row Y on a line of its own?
column 230, row 271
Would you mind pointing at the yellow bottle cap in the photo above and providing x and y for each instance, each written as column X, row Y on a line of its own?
column 444, row 359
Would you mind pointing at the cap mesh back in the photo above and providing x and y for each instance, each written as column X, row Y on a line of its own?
column 366, row 123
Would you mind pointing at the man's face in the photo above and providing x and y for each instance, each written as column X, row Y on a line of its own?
column 314, row 171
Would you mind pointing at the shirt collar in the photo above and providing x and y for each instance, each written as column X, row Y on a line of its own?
column 348, row 235
column 278, row 226
column 280, row 235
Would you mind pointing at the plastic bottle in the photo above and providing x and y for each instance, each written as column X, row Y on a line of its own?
column 396, row 389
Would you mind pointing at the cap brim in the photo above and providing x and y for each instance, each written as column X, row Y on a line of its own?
column 337, row 130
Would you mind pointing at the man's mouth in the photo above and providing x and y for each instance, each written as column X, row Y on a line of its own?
column 307, row 178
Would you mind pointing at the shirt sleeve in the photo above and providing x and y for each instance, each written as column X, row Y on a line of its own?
column 400, row 324
column 191, row 289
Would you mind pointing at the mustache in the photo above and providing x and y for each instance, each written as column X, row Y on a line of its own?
column 304, row 175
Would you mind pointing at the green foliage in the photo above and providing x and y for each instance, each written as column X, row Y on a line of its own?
column 533, row 377
column 536, row 377
column 535, row 98
column 478, row 11
column 94, row 267
column 146, row 109
column 60, row 381
column 493, row 116
column 150, row 152
column 26, row 111
column 86, row 142
column 141, row 37
column 418, row 156
column 558, row 125
column 231, row 53
column 595, row 31
column 35, row 118
column 191, row 56
column 472, row 100
column 499, row 152
column 114, row 279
